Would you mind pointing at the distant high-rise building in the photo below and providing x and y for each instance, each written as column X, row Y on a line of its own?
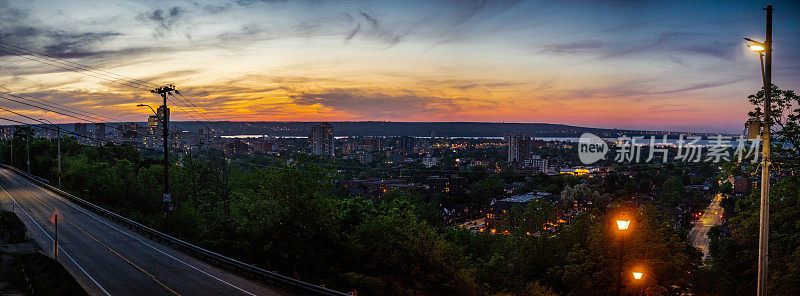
column 155, row 131
column 321, row 139
column 100, row 131
column 79, row 128
column 262, row 146
column 537, row 163
column 519, row 149
column 130, row 133
column 237, row 147
column 371, row 144
column 151, row 140
column 163, row 113
column 405, row 144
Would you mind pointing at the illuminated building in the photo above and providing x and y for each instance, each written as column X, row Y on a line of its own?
column 321, row 139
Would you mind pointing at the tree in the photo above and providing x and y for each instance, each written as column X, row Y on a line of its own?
column 485, row 190
column 735, row 245
column 726, row 188
column 286, row 216
column 673, row 192
column 580, row 193
column 786, row 122
column 590, row 266
column 394, row 253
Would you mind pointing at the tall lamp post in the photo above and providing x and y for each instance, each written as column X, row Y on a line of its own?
column 637, row 276
column 622, row 225
column 58, row 133
column 764, row 49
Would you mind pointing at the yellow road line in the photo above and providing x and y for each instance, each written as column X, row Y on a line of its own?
column 104, row 245
column 126, row 259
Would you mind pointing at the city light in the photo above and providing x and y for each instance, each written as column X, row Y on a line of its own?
column 324, row 146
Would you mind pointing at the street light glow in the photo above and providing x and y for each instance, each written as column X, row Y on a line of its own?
column 756, row 47
column 637, row 275
column 623, row 224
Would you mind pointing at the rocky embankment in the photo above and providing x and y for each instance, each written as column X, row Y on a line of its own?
column 25, row 269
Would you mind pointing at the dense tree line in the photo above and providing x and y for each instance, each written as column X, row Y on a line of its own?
column 732, row 269
column 292, row 219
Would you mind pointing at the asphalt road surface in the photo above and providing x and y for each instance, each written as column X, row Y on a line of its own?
column 108, row 259
column 711, row 217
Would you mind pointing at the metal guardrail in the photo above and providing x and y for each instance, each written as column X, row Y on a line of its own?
column 260, row 273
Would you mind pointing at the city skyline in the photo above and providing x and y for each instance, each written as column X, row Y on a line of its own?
column 672, row 66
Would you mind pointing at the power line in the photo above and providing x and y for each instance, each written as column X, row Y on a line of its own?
column 44, row 102
column 116, row 126
column 47, row 106
column 90, row 71
column 201, row 110
column 19, row 51
column 78, row 68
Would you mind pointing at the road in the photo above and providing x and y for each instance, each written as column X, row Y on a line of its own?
column 108, row 259
column 712, row 216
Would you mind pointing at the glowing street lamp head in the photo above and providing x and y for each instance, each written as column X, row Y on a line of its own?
column 637, row 275
column 623, row 224
column 756, row 47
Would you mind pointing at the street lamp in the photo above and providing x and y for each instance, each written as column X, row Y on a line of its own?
column 151, row 109
column 637, row 275
column 764, row 51
column 756, row 46
column 622, row 225
column 58, row 133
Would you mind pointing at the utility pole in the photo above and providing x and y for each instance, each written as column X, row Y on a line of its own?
column 619, row 276
column 58, row 139
column 28, row 151
column 55, row 241
column 167, row 197
column 58, row 133
column 763, row 231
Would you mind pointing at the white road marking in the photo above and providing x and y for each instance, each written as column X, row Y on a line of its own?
column 59, row 247
column 141, row 241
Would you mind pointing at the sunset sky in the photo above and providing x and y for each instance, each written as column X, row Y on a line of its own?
column 665, row 65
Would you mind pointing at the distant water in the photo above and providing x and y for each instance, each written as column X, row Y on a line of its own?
column 645, row 141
